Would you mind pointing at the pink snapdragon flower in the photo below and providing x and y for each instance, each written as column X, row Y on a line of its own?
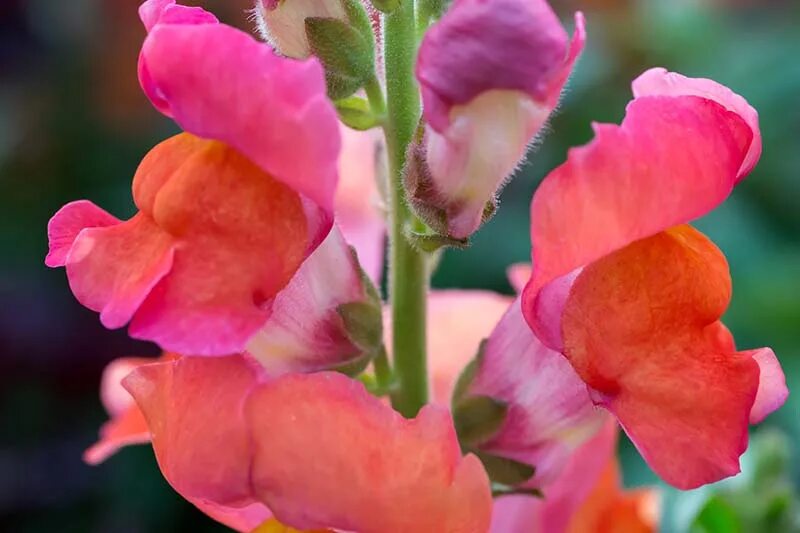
column 227, row 211
column 633, row 296
column 491, row 72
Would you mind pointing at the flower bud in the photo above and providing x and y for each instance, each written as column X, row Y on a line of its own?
column 491, row 73
column 282, row 22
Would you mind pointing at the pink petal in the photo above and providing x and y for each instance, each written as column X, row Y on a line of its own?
column 518, row 275
column 659, row 82
column 565, row 495
column 549, row 409
column 282, row 121
column 480, row 46
column 330, row 455
column 673, row 159
column 113, row 269
column 245, row 519
column 458, row 320
column 358, row 204
column 305, row 332
column 67, row 223
column 772, row 391
column 154, row 12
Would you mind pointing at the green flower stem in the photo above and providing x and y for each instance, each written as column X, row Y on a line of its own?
column 408, row 276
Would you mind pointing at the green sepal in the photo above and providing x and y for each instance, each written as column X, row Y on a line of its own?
column 467, row 375
column 386, row 6
column 499, row 490
column 433, row 242
column 505, row 471
column 347, row 55
column 477, row 419
column 363, row 324
column 353, row 367
column 356, row 113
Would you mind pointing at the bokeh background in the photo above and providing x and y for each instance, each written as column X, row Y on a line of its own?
column 74, row 124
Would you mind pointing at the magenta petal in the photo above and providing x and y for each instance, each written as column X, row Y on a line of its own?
column 772, row 391
column 480, row 46
column 67, row 223
column 659, row 82
column 550, row 412
column 282, row 119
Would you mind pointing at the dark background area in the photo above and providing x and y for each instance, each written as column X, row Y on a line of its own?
column 74, row 124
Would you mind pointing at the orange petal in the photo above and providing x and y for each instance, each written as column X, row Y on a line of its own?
column 641, row 329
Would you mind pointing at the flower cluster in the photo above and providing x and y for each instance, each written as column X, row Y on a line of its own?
column 258, row 246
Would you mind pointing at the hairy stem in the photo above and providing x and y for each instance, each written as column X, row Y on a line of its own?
column 408, row 282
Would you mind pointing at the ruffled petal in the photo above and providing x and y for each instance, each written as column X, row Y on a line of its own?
column 673, row 159
column 242, row 237
column 659, row 82
column 772, row 390
column 641, row 329
column 154, row 12
column 67, row 223
column 112, row 269
column 329, row 454
column 194, row 409
column 282, row 120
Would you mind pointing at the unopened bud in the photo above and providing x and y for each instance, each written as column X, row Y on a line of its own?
column 491, row 73
column 282, row 22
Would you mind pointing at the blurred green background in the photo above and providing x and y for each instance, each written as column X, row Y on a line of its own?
column 74, row 124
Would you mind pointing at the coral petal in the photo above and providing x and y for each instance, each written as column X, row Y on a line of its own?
column 112, row 269
column 332, row 455
column 194, row 409
column 242, row 237
column 673, row 159
column 640, row 328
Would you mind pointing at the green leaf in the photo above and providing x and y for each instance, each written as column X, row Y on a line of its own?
column 477, row 419
column 356, row 113
column 505, row 471
column 348, row 57
column 499, row 490
column 717, row 516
